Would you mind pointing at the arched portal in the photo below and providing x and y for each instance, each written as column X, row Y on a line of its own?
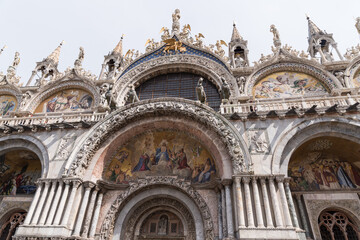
column 10, row 223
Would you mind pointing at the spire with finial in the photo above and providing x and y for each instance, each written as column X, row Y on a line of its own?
column 118, row 49
column 235, row 34
column 54, row 56
column 313, row 29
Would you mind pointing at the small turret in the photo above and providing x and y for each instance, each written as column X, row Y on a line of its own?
column 238, row 51
column 47, row 68
column 320, row 42
column 112, row 62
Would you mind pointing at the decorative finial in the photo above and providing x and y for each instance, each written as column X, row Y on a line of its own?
column 3, row 49
column 234, row 24
column 54, row 56
column 118, row 48
column 307, row 16
column 357, row 24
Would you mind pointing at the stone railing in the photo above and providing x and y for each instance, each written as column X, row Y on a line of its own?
column 281, row 106
column 51, row 118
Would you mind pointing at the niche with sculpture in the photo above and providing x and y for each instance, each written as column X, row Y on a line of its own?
column 326, row 163
column 161, row 152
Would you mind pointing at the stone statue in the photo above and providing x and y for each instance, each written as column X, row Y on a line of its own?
column 24, row 99
column 11, row 71
column 131, row 95
column 200, row 92
column 258, row 143
column 16, row 60
column 225, row 89
column 276, row 38
column 357, row 24
column 104, row 91
column 150, row 45
column 241, row 84
column 176, row 21
column 80, row 59
column 341, row 77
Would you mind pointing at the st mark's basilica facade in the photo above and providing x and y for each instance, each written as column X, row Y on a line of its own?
column 185, row 141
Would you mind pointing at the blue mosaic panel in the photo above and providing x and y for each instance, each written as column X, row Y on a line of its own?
column 160, row 52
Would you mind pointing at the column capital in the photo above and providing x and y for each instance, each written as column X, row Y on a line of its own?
column 246, row 179
column 237, row 180
column 280, row 178
column 254, row 179
column 298, row 196
column 263, row 181
column 89, row 184
column 226, row 182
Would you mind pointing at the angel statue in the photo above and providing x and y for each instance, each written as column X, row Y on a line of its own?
column 219, row 50
column 184, row 34
column 200, row 92
column 176, row 21
column 80, row 59
column 11, row 71
column 150, row 45
column 166, row 34
column 276, row 38
column 129, row 56
column 131, row 95
column 198, row 40
column 357, row 24
column 16, row 60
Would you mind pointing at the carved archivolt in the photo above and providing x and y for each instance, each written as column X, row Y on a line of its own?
column 81, row 157
column 351, row 70
column 107, row 227
column 11, row 90
column 330, row 81
column 53, row 88
column 201, row 64
column 133, row 222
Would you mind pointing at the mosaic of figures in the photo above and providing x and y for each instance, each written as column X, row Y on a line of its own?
column 66, row 100
column 322, row 171
column 19, row 171
column 288, row 84
column 162, row 152
column 8, row 104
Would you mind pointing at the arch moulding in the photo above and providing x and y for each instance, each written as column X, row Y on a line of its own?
column 159, row 185
column 168, row 63
column 82, row 155
column 305, row 131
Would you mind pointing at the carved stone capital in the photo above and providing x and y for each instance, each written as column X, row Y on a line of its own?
column 89, row 184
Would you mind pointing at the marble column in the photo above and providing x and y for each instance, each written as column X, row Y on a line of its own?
column 291, row 203
column 75, row 185
column 259, row 217
column 223, row 208
column 334, row 45
column 89, row 213
column 60, row 209
column 30, row 79
column 55, row 203
column 41, row 203
column 96, row 215
column 285, row 205
column 229, row 212
column 48, row 202
column 303, row 215
column 220, row 223
column 275, row 202
column 269, row 221
column 88, row 186
column 239, row 201
column 248, row 202
column 34, row 203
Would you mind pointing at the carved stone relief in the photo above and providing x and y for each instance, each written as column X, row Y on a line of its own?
column 64, row 148
column 258, row 141
column 163, row 202
column 107, row 227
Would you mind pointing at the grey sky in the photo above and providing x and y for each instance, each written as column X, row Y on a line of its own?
column 36, row 27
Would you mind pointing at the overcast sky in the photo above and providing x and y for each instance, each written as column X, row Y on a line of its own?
column 35, row 28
